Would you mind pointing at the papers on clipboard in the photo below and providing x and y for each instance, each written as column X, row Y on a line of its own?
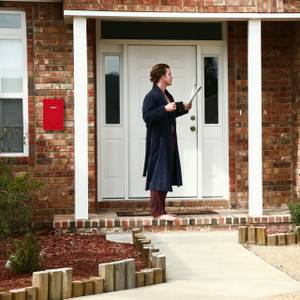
column 195, row 94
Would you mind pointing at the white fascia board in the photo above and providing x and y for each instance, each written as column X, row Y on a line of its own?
column 167, row 16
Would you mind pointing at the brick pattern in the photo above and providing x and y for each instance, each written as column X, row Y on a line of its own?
column 192, row 6
column 277, row 86
column 296, row 114
column 50, row 75
column 277, row 64
column 238, row 117
column 187, row 223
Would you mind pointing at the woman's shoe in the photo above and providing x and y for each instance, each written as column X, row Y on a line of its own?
column 167, row 217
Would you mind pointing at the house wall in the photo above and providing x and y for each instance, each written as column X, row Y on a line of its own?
column 50, row 75
column 209, row 6
column 296, row 113
column 278, row 44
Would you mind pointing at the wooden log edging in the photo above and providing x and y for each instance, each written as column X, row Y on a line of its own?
column 155, row 262
column 57, row 284
column 257, row 235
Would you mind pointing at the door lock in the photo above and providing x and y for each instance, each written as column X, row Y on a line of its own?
column 193, row 118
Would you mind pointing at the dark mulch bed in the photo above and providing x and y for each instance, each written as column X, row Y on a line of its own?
column 81, row 252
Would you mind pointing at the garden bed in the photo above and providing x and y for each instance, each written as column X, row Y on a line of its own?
column 83, row 253
column 285, row 259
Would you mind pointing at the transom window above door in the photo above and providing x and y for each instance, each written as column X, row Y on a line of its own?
column 161, row 30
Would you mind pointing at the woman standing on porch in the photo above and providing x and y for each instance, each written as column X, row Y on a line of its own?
column 162, row 164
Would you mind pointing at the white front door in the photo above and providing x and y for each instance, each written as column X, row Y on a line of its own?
column 202, row 134
column 182, row 61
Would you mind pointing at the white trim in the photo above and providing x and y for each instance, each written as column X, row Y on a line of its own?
column 162, row 42
column 255, row 181
column 198, row 44
column 199, row 120
column 80, row 118
column 19, row 34
column 182, row 16
column 126, row 121
column 98, row 108
column 226, row 109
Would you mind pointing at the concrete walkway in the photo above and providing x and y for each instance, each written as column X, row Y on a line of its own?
column 207, row 265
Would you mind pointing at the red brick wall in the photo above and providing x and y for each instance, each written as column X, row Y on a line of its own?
column 277, row 84
column 238, row 123
column 50, row 75
column 187, row 5
column 296, row 114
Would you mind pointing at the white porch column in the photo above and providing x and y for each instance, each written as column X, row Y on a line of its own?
column 80, row 118
column 255, row 181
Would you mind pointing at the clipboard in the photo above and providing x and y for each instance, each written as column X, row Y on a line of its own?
column 197, row 91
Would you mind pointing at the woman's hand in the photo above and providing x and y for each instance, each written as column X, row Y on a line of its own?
column 170, row 107
column 187, row 106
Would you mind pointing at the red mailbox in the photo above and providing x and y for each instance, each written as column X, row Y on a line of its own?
column 53, row 114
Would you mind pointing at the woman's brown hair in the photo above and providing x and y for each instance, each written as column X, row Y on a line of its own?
column 158, row 71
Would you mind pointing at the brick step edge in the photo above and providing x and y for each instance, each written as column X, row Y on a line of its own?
column 129, row 223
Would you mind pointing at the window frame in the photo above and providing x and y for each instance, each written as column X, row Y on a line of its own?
column 18, row 33
column 219, row 95
column 121, row 103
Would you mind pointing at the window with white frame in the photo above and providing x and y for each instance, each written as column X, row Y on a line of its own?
column 13, row 84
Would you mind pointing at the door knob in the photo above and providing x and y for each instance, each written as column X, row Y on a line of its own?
column 193, row 128
column 193, row 118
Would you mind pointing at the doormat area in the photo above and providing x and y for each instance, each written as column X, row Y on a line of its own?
column 179, row 213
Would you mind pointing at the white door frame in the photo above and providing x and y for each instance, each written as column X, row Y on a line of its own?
column 124, row 44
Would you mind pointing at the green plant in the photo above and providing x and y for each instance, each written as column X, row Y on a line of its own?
column 26, row 258
column 16, row 195
column 294, row 209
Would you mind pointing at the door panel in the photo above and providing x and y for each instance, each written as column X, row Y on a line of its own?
column 182, row 60
column 122, row 142
column 213, row 129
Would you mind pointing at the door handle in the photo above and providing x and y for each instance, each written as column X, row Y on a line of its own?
column 193, row 128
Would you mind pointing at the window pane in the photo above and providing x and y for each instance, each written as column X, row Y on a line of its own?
column 112, row 89
column 11, row 66
column 11, row 125
column 211, row 94
column 10, row 20
column 161, row 30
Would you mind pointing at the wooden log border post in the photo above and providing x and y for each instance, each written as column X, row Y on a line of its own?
column 257, row 235
column 57, row 284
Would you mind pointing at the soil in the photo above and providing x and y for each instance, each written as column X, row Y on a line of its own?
column 286, row 259
column 81, row 252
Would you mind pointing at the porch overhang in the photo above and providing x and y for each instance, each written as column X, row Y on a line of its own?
column 79, row 17
column 182, row 17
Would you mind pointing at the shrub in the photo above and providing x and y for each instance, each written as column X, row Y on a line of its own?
column 16, row 194
column 26, row 257
column 294, row 209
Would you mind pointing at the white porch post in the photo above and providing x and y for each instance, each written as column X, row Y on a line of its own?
column 80, row 118
column 255, row 181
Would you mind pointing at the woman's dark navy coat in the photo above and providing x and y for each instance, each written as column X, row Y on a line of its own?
column 160, row 168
